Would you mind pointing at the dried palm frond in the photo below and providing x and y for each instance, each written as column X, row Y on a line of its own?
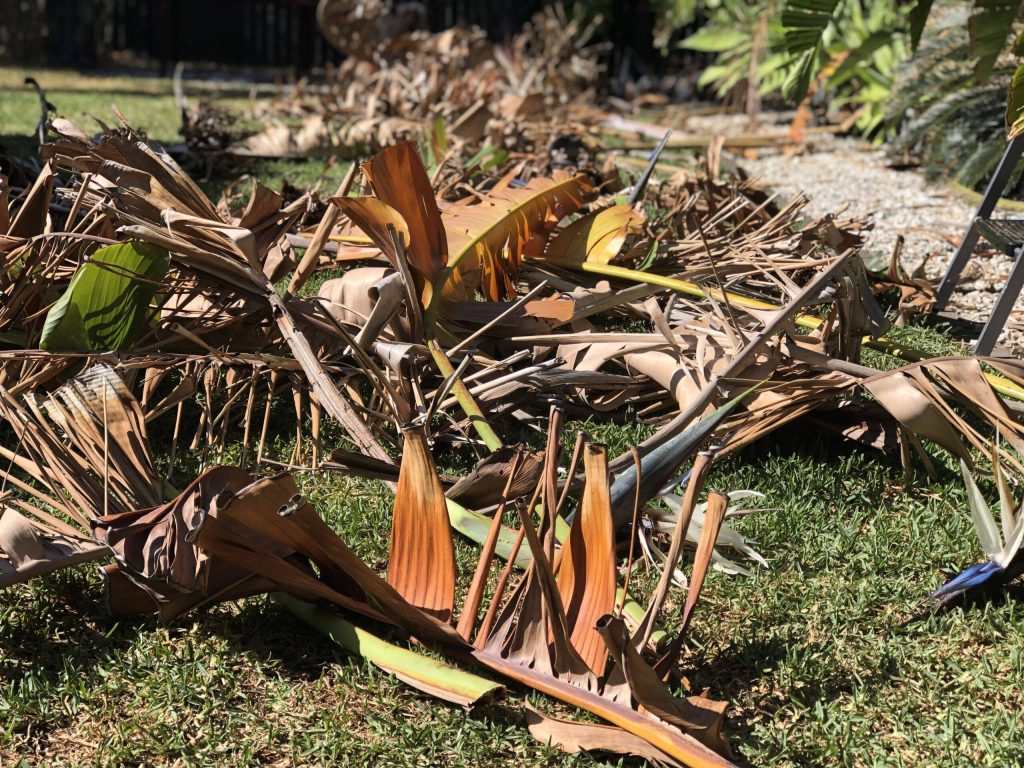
column 159, row 204
column 80, row 452
column 461, row 311
column 399, row 86
column 554, row 633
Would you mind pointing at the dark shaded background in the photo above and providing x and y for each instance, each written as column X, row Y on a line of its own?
column 84, row 34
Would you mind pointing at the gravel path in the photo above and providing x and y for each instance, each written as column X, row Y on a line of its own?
column 838, row 172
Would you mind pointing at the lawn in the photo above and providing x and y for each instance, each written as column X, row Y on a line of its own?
column 829, row 657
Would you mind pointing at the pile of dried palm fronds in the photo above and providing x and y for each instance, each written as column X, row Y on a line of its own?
column 470, row 94
column 460, row 316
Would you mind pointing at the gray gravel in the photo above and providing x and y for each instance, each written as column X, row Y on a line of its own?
column 845, row 173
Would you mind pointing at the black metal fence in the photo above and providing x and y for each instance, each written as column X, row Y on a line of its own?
column 258, row 33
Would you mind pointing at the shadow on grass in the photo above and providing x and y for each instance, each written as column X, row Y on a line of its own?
column 19, row 159
column 268, row 631
column 53, row 631
column 996, row 594
column 732, row 673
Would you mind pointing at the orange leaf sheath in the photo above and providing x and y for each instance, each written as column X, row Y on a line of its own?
column 422, row 563
column 586, row 577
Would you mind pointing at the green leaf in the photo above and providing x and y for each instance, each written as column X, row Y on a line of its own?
column 711, row 74
column 1015, row 104
column 862, row 53
column 107, row 300
column 918, row 18
column 798, row 81
column 989, row 25
column 984, row 523
column 805, row 22
column 718, row 40
column 417, row 669
column 475, row 526
column 650, row 258
column 488, row 157
column 1013, row 543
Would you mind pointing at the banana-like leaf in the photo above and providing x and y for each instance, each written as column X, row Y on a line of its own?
column 107, row 301
column 484, row 242
column 596, row 237
column 251, row 534
column 487, row 240
column 374, row 217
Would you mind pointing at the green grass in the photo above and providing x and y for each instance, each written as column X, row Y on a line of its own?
column 148, row 105
column 830, row 657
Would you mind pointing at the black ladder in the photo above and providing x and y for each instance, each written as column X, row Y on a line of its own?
column 1005, row 234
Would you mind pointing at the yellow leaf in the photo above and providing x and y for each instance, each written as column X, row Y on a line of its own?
column 596, row 238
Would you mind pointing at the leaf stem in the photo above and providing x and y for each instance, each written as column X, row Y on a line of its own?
column 462, row 394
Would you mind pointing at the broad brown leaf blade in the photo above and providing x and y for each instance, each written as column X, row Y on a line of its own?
column 483, row 486
column 422, row 563
column 898, row 394
column 155, row 551
column 701, row 718
column 274, row 509
column 32, row 217
column 669, row 739
column 400, row 180
column 373, row 217
column 966, row 377
column 28, row 550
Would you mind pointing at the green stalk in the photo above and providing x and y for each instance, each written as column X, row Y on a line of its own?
column 420, row 671
column 474, row 526
column 462, row 394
